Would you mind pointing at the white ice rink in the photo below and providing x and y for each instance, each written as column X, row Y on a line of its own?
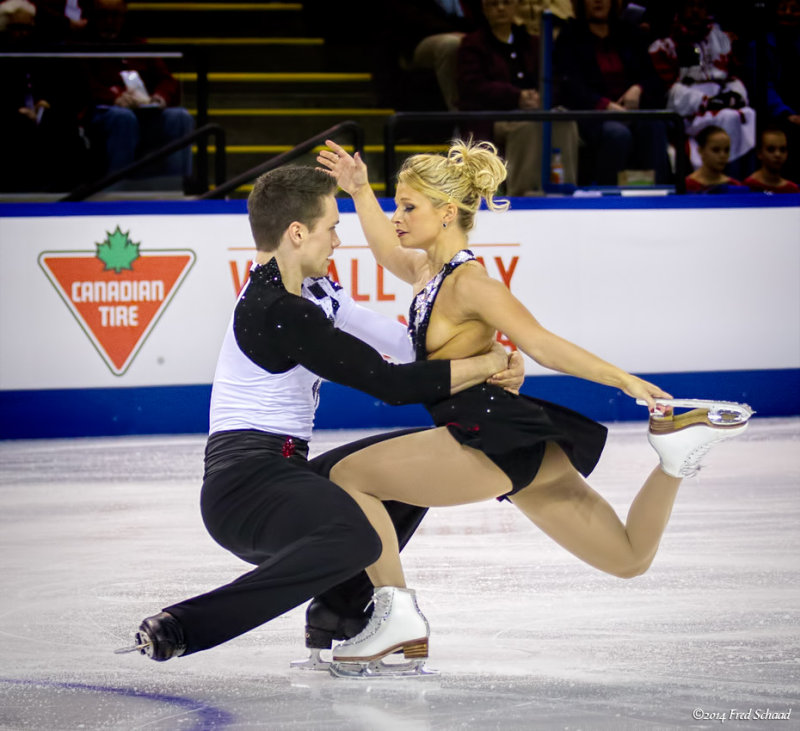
column 96, row 534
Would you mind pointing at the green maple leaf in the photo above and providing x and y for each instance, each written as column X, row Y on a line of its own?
column 117, row 252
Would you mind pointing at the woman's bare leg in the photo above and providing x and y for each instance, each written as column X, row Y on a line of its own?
column 561, row 503
column 429, row 469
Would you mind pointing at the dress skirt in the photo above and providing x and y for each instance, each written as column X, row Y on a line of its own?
column 512, row 430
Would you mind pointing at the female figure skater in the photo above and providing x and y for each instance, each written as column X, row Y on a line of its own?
column 490, row 443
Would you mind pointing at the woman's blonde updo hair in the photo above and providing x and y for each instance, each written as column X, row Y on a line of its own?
column 471, row 172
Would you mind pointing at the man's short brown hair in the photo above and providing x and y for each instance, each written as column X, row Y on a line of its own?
column 286, row 194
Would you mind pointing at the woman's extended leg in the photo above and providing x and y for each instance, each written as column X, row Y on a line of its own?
column 563, row 505
column 429, row 469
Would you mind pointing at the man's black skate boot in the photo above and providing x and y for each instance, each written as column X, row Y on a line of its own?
column 160, row 637
column 323, row 626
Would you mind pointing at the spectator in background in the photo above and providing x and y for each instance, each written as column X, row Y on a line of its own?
column 772, row 152
column 782, row 76
column 697, row 64
column 714, row 146
column 498, row 70
column 133, row 106
column 38, row 110
column 602, row 64
column 411, row 41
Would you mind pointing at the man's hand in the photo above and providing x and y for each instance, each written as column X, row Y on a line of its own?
column 529, row 99
column 512, row 376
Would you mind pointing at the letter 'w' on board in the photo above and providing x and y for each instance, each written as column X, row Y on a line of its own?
column 116, row 293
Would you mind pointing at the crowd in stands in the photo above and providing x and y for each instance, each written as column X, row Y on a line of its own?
column 707, row 60
column 76, row 118
column 729, row 68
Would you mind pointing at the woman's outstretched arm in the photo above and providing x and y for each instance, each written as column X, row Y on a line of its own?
column 480, row 297
column 351, row 175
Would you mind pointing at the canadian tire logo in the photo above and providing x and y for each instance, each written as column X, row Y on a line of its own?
column 116, row 293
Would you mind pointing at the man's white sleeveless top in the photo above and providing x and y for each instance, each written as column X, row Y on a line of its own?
column 245, row 396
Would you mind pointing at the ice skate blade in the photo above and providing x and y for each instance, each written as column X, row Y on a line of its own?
column 380, row 669
column 314, row 661
column 142, row 647
column 720, row 413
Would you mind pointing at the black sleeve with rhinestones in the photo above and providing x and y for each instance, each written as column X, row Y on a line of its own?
column 279, row 331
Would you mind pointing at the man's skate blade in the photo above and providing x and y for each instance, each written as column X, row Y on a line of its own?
column 314, row 661
column 380, row 669
column 133, row 648
column 722, row 412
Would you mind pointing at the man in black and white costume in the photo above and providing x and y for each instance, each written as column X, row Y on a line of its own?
column 261, row 499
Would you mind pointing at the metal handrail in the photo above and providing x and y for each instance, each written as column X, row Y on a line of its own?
column 348, row 126
column 400, row 118
column 214, row 130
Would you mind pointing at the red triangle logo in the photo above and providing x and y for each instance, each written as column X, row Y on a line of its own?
column 117, row 307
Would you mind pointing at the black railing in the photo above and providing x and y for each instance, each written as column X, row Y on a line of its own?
column 210, row 130
column 348, row 127
column 397, row 121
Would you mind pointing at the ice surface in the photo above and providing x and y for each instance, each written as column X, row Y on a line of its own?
column 96, row 534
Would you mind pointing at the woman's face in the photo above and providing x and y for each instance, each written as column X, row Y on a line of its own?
column 716, row 151
column 597, row 10
column 774, row 151
column 416, row 220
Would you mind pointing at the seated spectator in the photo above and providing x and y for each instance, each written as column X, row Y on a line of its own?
column 772, row 152
column 38, row 112
column 498, row 70
column 782, row 76
column 714, row 146
column 133, row 107
column 696, row 62
column 602, row 64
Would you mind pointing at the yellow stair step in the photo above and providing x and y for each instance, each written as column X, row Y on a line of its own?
column 197, row 7
column 232, row 41
column 278, row 149
column 303, row 112
column 298, row 77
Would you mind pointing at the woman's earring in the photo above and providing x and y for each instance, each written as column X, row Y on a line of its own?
column 444, row 224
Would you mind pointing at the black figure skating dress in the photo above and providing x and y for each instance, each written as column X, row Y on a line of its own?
column 511, row 430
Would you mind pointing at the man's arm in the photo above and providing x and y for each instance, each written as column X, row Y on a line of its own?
column 295, row 331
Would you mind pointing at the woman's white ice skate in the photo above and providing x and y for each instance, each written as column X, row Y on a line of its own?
column 681, row 440
column 396, row 626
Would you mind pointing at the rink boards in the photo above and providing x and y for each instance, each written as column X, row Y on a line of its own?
column 111, row 314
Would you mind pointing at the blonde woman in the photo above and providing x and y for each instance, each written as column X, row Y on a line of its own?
column 490, row 443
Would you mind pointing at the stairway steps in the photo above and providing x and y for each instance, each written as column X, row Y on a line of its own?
column 290, row 127
column 211, row 19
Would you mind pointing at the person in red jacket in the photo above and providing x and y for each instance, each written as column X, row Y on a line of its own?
column 772, row 151
column 133, row 102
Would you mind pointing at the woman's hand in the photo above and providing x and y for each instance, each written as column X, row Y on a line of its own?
column 512, row 377
column 640, row 389
column 630, row 99
column 350, row 171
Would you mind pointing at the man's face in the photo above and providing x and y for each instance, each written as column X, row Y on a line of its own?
column 500, row 12
column 321, row 241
